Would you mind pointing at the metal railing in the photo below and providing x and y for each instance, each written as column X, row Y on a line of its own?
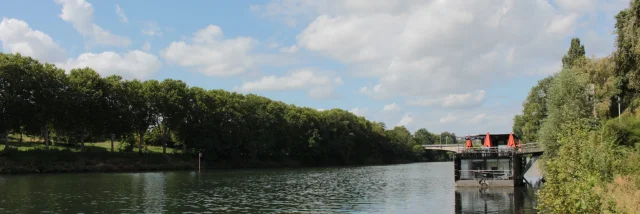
column 523, row 148
column 486, row 150
column 531, row 148
column 461, row 148
column 485, row 174
column 444, row 146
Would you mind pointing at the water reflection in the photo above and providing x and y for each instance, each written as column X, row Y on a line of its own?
column 408, row 188
column 495, row 200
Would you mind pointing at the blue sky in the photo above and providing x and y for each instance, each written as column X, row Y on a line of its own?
column 458, row 66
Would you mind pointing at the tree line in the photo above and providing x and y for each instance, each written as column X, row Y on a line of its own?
column 587, row 116
column 80, row 106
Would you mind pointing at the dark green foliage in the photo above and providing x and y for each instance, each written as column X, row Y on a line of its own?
column 591, row 151
column 570, row 102
column 576, row 52
column 534, row 111
column 56, row 161
column 447, row 138
column 224, row 126
column 625, row 132
column 528, row 124
column 422, row 136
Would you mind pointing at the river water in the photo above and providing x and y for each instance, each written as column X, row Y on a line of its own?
column 406, row 188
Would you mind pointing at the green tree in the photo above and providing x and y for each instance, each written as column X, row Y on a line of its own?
column 140, row 108
column 116, row 122
column 82, row 107
column 29, row 95
column 85, row 103
column 171, row 107
column 626, row 56
column 448, row 138
column 48, row 99
column 527, row 125
column 518, row 124
column 14, row 91
column 422, row 136
column 399, row 135
column 570, row 100
column 574, row 55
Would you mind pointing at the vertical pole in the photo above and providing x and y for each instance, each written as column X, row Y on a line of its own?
column 618, row 108
column 457, row 167
column 592, row 88
column 510, row 167
column 199, row 155
column 112, row 136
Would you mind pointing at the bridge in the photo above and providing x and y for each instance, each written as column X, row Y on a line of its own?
column 527, row 148
column 519, row 160
column 444, row 147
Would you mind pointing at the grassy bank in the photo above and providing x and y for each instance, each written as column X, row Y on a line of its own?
column 34, row 143
column 68, row 161
column 29, row 156
column 63, row 161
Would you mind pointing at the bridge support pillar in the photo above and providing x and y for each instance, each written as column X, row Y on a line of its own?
column 457, row 167
column 518, row 174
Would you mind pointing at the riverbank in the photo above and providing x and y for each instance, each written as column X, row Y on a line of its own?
column 304, row 190
column 66, row 161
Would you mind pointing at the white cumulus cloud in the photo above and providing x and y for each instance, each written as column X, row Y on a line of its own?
column 17, row 37
column 376, row 91
column 211, row 54
column 318, row 85
column 480, row 118
column 406, row 120
column 80, row 14
column 438, row 47
column 465, row 100
column 120, row 12
column 391, row 107
column 133, row 64
column 146, row 46
column 359, row 111
column 291, row 49
column 150, row 28
column 448, row 119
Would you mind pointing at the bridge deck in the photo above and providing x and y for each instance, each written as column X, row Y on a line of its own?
column 530, row 148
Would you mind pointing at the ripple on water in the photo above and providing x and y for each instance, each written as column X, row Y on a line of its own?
column 409, row 188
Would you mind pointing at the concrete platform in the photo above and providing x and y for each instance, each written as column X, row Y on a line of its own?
column 490, row 183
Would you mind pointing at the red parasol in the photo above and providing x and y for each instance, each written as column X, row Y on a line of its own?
column 519, row 145
column 511, row 142
column 469, row 142
column 487, row 140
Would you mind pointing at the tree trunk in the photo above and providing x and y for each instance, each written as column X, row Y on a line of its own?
column 46, row 136
column 82, row 139
column 164, row 141
column 112, row 136
column 164, row 147
column 82, row 143
column 141, row 135
column 6, row 139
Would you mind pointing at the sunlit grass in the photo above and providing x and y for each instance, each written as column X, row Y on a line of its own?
column 31, row 143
